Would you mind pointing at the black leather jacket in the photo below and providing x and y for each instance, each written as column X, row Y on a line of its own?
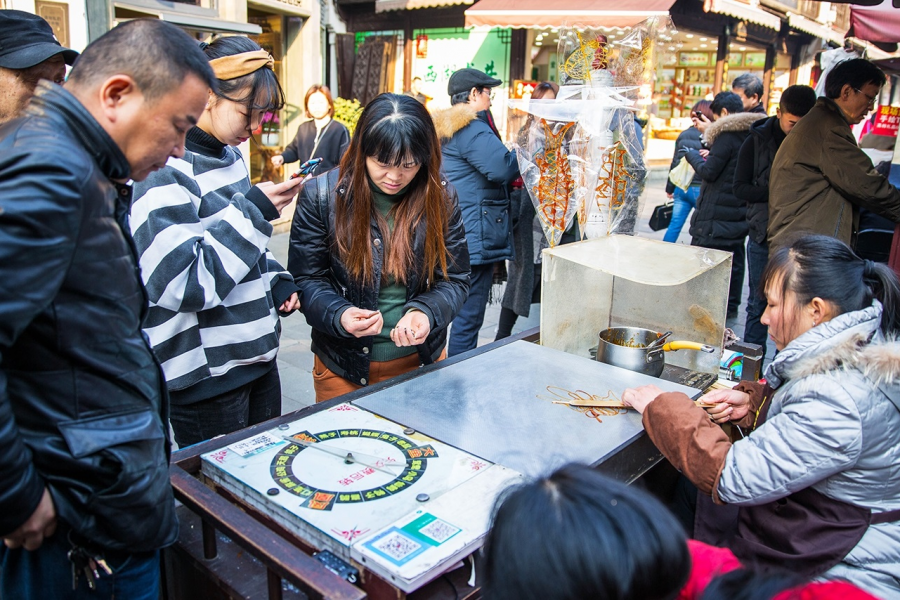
column 82, row 400
column 326, row 288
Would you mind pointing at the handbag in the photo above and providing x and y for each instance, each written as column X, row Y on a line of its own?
column 661, row 217
column 682, row 175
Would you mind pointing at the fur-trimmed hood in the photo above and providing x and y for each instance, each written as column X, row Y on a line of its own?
column 849, row 341
column 450, row 120
column 735, row 122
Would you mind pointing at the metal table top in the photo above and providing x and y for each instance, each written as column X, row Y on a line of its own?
column 499, row 405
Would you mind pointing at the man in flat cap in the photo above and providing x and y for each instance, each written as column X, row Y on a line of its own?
column 29, row 52
column 481, row 168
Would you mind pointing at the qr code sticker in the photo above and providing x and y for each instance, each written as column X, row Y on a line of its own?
column 396, row 546
column 439, row 531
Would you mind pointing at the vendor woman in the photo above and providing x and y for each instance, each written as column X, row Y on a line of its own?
column 319, row 137
column 817, row 481
column 379, row 252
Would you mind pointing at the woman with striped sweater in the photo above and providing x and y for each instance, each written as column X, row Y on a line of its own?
column 201, row 230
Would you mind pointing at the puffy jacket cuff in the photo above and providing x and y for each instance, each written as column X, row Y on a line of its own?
column 336, row 322
column 262, row 202
column 422, row 307
column 754, row 389
column 684, row 434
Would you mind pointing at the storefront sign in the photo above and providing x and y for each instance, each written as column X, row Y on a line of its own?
column 755, row 60
column 693, row 59
column 887, row 121
column 734, row 59
column 57, row 14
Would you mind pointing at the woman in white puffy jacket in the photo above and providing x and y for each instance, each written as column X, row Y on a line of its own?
column 816, row 480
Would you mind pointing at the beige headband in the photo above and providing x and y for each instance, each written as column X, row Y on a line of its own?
column 238, row 65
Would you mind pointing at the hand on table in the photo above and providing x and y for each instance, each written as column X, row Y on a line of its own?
column 39, row 526
column 731, row 405
column 412, row 329
column 360, row 322
column 639, row 398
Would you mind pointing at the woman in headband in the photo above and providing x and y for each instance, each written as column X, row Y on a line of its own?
column 201, row 230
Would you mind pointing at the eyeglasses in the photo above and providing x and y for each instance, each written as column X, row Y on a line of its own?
column 872, row 99
column 488, row 91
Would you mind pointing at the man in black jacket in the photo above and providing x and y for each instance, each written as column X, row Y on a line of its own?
column 751, row 184
column 83, row 432
column 720, row 220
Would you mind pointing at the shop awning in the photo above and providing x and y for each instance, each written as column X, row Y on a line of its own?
column 188, row 20
column 745, row 12
column 815, row 29
column 538, row 14
column 385, row 5
column 875, row 23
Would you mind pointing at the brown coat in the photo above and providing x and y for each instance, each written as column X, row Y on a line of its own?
column 821, row 178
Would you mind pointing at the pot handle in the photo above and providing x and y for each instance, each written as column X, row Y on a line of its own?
column 684, row 345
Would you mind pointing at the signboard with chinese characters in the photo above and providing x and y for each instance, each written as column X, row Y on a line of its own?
column 693, row 59
column 57, row 14
column 887, row 121
column 755, row 60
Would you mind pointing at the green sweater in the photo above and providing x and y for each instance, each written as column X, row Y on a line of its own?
column 392, row 295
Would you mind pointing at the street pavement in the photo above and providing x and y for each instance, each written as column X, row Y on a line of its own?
column 295, row 359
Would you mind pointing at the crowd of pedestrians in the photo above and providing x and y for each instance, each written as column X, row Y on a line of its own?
column 138, row 291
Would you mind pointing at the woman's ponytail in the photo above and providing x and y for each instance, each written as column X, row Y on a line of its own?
column 885, row 287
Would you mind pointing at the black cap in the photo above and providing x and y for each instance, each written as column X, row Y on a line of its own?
column 27, row 40
column 466, row 79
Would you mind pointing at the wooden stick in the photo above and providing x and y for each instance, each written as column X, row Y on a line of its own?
column 612, row 403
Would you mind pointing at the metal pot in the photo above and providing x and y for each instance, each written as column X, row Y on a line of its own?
column 627, row 347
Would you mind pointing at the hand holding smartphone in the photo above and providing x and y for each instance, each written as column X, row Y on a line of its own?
column 306, row 168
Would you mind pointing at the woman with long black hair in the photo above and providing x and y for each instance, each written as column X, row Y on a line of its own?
column 379, row 252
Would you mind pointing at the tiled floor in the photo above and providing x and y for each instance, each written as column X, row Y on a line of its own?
column 295, row 360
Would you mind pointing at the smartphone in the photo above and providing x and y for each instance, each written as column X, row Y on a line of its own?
column 698, row 114
column 307, row 168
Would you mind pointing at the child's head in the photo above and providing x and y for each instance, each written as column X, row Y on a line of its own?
column 579, row 534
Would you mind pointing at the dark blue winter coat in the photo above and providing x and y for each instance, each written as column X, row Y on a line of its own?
column 481, row 168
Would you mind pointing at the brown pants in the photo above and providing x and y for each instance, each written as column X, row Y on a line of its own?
column 329, row 384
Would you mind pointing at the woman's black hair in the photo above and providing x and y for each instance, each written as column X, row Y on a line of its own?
column 394, row 130
column 746, row 584
column 820, row 266
column 579, row 534
column 258, row 90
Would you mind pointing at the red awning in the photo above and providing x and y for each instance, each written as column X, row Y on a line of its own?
column 875, row 23
column 538, row 14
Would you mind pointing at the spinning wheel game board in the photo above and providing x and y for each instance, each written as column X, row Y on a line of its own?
column 400, row 503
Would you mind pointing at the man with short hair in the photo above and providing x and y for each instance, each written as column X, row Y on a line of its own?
column 820, row 177
column 83, row 410
column 750, row 88
column 481, row 168
column 29, row 52
column 751, row 184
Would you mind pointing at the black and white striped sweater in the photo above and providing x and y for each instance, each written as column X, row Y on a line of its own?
column 201, row 231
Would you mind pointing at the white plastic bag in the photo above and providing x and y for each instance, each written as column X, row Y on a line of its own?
column 682, row 175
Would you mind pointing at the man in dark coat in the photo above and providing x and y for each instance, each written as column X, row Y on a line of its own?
column 751, row 184
column 750, row 89
column 481, row 168
column 820, row 177
column 720, row 220
column 83, row 409
column 29, row 52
